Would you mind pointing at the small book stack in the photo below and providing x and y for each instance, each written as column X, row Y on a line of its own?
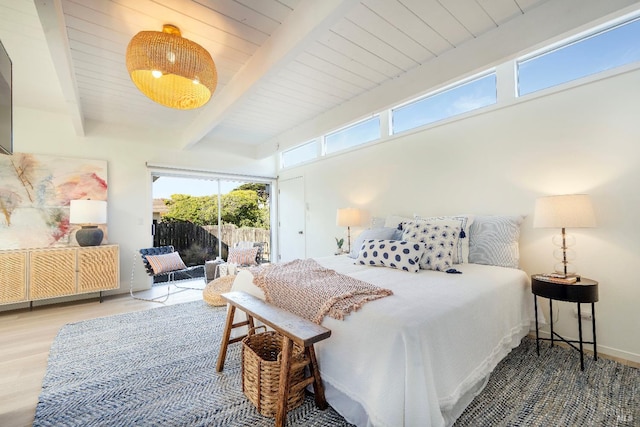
column 565, row 279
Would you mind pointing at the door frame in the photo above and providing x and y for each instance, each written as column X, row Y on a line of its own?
column 279, row 210
column 194, row 173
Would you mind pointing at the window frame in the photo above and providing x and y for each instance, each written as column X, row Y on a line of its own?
column 570, row 41
column 455, row 85
column 375, row 116
column 284, row 165
column 507, row 90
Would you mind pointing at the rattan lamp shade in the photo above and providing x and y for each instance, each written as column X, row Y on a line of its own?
column 170, row 69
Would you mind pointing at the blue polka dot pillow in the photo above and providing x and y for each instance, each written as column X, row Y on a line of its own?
column 391, row 253
column 440, row 240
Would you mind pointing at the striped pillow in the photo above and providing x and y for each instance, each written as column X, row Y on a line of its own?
column 495, row 239
column 165, row 262
column 243, row 256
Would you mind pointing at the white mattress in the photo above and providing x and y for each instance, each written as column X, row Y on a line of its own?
column 418, row 357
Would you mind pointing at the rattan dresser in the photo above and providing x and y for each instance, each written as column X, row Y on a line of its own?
column 34, row 274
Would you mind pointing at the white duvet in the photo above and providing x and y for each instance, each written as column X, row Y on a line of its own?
column 418, row 357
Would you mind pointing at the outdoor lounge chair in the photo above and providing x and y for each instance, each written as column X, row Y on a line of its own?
column 162, row 265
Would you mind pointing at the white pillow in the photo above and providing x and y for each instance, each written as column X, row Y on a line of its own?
column 461, row 254
column 377, row 222
column 384, row 233
column 391, row 253
column 494, row 240
column 394, row 221
column 440, row 240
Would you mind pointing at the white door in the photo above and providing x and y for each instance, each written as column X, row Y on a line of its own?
column 291, row 219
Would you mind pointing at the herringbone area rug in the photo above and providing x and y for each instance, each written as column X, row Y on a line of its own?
column 153, row 368
column 157, row 368
column 550, row 390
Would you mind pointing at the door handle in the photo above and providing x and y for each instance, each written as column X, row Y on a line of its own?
column 300, row 232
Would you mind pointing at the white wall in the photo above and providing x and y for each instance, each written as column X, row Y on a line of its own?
column 129, row 192
column 584, row 139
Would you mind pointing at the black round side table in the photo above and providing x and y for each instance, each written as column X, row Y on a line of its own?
column 583, row 291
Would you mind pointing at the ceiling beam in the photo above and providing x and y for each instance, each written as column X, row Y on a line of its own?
column 523, row 34
column 296, row 34
column 55, row 32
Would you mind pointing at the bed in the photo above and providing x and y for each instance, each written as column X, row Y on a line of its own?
column 418, row 357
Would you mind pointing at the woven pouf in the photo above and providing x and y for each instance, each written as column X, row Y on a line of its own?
column 213, row 290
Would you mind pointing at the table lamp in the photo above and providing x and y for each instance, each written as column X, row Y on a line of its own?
column 564, row 211
column 88, row 213
column 348, row 217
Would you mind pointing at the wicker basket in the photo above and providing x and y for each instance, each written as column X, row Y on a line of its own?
column 261, row 355
column 212, row 293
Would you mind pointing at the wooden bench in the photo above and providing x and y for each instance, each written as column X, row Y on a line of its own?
column 293, row 329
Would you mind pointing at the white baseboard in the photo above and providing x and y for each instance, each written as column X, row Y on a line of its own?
column 602, row 350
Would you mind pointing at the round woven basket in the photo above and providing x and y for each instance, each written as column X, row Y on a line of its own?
column 213, row 290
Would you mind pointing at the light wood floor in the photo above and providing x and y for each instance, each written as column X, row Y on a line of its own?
column 26, row 336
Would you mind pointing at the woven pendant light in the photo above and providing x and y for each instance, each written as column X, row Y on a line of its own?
column 171, row 70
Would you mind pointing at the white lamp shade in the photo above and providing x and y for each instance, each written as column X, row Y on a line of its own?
column 348, row 217
column 565, row 211
column 88, row 212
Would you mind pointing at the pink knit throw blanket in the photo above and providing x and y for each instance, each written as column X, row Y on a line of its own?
column 309, row 290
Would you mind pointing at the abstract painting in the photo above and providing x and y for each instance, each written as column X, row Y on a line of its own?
column 35, row 191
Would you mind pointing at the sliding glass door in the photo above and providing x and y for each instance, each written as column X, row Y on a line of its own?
column 202, row 217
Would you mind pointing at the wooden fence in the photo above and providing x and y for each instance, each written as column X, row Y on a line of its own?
column 198, row 244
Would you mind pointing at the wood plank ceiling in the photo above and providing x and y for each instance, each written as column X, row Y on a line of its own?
column 280, row 62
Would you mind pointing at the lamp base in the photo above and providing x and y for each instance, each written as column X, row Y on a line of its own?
column 89, row 235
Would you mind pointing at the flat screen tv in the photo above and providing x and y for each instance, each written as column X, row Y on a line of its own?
column 6, row 104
